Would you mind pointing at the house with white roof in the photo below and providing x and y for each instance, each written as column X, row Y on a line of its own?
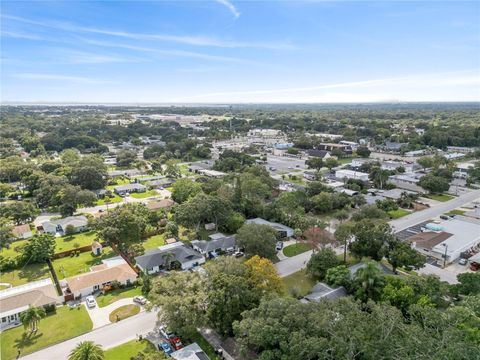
column 15, row 300
column 282, row 230
column 79, row 223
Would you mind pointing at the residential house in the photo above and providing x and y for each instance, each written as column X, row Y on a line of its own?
column 190, row 352
column 322, row 291
column 309, row 175
column 352, row 144
column 160, row 183
column 130, row 188
column 126, row 172
column 22, row 232
column 110, row 271
column 407, row 181
column 212, row 173
column 394, row 146
column 15, row 300
column 79, row 223
column 322, row 154
column 282, row 230
column 218, row 243
column 154, row 261
column 160, row 204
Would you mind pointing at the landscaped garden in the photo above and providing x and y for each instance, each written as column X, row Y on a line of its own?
column 128, row 350
column 66, row 323
column 124, row 312
column 299, row 283
column 77, row 264
column 295, row 249
column 117, row 294
column 25, row 274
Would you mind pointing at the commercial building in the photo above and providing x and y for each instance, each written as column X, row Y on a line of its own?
column 351, row 174
column 407, row 181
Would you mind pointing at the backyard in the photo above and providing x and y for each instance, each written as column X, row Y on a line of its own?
column 73, row 265
column 295, row 249
column 117, row 294
column 66, row 323
column 128, row 350
column 154, row 242
column 26, row 274
column 299, row 284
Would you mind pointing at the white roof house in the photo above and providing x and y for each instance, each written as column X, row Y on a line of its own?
column 190, row 352
column 283, row 230
column 465, row 235
column 351, row 174
column 79, row 223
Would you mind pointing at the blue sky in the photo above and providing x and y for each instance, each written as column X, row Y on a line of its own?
column 239, row 51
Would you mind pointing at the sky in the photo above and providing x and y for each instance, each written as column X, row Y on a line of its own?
column 232, row 51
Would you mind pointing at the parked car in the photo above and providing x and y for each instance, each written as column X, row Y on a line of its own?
column 90, row 301
column 238, row 254
column 140, row 300
column 166, row 333
column 165, row 347
column 462, row 261
column 279, row 245
column 176, row 343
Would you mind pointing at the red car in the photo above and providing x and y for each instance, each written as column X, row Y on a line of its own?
column 176, row 343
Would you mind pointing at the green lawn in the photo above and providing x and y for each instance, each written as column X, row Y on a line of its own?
column 144, row 195
column 65, row 324
column 26, row 274
column 455, row 212
column 295, row 249
column 77, row 240
column 154, row 241
column 440, row 197
column 119, row 182
column 70, row 266
column 114, row 199
column 396, row 214
column 299, row 284
column 63, row 243
column 129, row 350
column 115, row 295
column 124, row 312
column 14, row 250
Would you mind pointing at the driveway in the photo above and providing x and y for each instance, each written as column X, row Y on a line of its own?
column 107, row 336
column 100, row 315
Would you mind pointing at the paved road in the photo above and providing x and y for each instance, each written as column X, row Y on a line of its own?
column 108, row 336
column 424, row 215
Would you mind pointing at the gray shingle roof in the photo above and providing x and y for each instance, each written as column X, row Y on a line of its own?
column 181, row 253
column 224, row 243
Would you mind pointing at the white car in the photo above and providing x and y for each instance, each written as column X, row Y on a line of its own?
column 140, row 299
column 90, row 301
column 165, row 332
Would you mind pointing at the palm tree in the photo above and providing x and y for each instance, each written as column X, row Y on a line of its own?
column 87, row 350
column 168, row 258
column 32, row 316
column 371, row 281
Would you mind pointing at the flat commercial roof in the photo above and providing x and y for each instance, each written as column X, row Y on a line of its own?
column 465, row 234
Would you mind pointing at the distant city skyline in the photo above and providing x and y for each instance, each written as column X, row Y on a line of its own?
column 223, row 51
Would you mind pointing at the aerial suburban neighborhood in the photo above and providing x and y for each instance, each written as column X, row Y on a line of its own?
column 209, row 180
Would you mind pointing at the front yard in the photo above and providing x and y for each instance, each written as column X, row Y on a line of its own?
column 114, row 199
column 295, row 249
column 26, row 274
column 397, row 214
column 144, row 195
column 439, row 197
column 117, row 294
column 70, row 266
column 66, row 323
column 299, row 284
column 129, row 349
column 124, row 312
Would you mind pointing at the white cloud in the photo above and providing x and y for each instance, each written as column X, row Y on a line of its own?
column 230, row 7
column 20, row 35
column 56, row 77
column 194, row 40
column 81, row 57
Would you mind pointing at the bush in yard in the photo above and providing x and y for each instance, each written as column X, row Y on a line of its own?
column 320, row 262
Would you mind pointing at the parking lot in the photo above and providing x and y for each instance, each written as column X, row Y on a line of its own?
column 283, row 164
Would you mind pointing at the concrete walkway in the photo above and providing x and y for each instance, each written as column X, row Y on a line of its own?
column 100, row 315
column 107, row 336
